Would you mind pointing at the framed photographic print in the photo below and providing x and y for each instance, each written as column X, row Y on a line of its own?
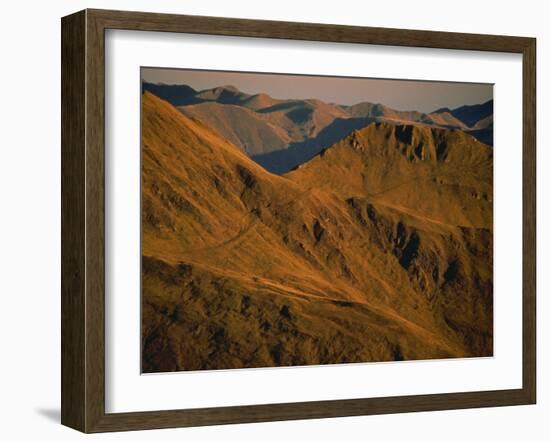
column 268, row 221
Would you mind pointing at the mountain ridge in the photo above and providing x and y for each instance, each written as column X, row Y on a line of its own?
column 297, row 124
column 245, row 268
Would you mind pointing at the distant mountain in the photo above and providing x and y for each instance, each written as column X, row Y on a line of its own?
column 260, row 125
column 223, row 95
column 248, row 130
column 377, row 249
column 177, row 94
column 281, row 134
column 376, row 110
column 472, row 114
column 444, row 119
column 260, row 101
column 477, row 119
column 183, row 95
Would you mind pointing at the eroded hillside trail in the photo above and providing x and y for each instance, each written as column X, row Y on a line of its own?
column 248, row 224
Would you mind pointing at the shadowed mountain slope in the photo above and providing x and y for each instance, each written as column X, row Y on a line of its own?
column 176, row 94
column 472, row 114
column 244, row 128
column 242, row 268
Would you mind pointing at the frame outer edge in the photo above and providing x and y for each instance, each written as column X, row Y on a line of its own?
column 529, row 221
column 196, row 24
column 83, row 217
column 95, row 221
column 73, row 255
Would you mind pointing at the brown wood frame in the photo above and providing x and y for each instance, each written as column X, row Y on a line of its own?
column 83, row 216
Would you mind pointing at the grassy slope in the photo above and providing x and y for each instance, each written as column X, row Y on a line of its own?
column 242, row 268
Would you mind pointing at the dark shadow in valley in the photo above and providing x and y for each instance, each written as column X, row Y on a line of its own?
column 483, row 135
column 176, row 94
column 285, row 105
column 471, row 114
column 282, row 161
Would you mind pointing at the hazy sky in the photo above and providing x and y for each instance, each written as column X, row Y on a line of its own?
column 424, row 96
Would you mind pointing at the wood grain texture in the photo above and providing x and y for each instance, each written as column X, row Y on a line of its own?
column 529, row 220
column 73, row 130
column 144, row 21
column 83, row 219
column 95, row 221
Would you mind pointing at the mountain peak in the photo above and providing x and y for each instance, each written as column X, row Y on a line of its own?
column 218, row 90
column 176, row 94
column 223, row 94
column 471, row 114
column 430, row 168
column 230, row 87
column 411, row 143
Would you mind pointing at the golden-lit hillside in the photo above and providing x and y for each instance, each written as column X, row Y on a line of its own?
column 378, row 249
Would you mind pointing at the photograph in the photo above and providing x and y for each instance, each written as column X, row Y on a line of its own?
column 298, row 220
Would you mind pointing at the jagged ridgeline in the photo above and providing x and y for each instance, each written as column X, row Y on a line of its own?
column 375, row 247
column 282, row 134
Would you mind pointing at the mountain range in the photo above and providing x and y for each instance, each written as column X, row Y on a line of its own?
column 281, row 134
column 377, row 248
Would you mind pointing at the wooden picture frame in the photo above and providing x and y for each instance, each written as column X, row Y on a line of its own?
column 83, row 220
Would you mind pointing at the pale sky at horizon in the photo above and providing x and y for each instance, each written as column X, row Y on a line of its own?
column 424, row 96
